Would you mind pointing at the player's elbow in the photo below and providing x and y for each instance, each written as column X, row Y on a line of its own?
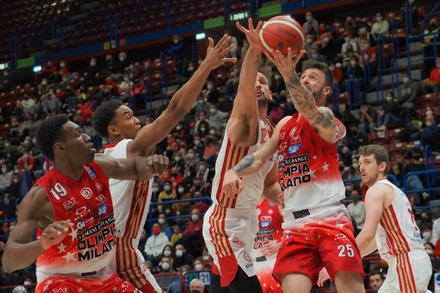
column 8, row 265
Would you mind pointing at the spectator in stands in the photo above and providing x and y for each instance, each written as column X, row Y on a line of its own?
column 121, row 64
column 328, row 47
column 49, row 102
column 231, row 87
column 349, row 42
column 5, row 82
column 182, row 257
column 26, row 161
column 414, row 182
column 196, row 286
column 198, row 264
column 192, row 235
column 431, row 133
column 367, row 117
column 357, row 209
column 20, row 289
column 166, row 265
column 368, row 56
column 429, row 47
column 309, row 43
column 177, row 234
column 380, row 28
column 182, row 193
column 409, row 16
column 63, row 71
column 108, row 68
column 396, row 171
column 432, row 84
column 164, row 227
column 435, row 261
column 311, row 26
column 426, row 232
column 356, row 138
column 177, row 49
column 5, row 178
column 337, row 72
column 388, row 114
column 28, row 104
column 155, row 244
column 375, row 280
column 364, row 34
column 408, row 91
column 215, row 118
column 315, row 56
column 93, row 74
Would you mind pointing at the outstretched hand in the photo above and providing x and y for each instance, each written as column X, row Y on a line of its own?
column 252, row 34
column 215, row 54
column 286, row 64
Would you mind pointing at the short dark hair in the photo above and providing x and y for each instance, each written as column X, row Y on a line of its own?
column 104, row 115
column 382, row 277
column 379, row 152
column 329, row 80
column 49, row 132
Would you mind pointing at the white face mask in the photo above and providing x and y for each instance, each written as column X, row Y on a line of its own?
column 429, row 251
column 161, row 221
column 181, row 190
column 210, row 87
column 190, row 155
column 165, row 266
column 355, row 166
column 389, row 98
column 167, row 252
column 426, row 235
column 195, row 217
column 349, row 187
column 27, row 283
column 179, row 253
column 308, row 18
column 198, row 267
column 212, row 110
column 405, row 79
column 167, row 188
column 309, row 41
column 326, row 39
column 353, row 63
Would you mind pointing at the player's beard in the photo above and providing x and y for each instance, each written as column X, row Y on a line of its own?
column 263, row 101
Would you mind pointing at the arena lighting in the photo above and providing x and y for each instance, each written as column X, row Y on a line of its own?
column 200, row 36
column 37, row 68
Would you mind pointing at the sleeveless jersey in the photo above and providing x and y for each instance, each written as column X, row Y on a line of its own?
column 308, row 168
column 87, row 204
column 269, row 225
column 397, row 232
column 131, row 198
column 252, row 185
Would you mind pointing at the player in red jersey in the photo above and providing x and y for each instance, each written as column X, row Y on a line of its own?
column 72, row 211
column 317, row 227
column 116, row 122
column 267, row 243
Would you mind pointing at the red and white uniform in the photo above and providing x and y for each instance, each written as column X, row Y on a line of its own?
column 400, row 244
column 314, row 219
column 269, row 229
column 131, row 201
column 230, row 224
column 81, row 261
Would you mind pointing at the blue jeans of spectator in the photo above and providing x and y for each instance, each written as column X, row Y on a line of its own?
column 387, row 119
column 414, row 183
column 365, row 128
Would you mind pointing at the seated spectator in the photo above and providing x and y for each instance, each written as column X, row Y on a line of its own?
column 380, row 28
column 431, row 133
column 349, row 45
column 182, row 257
column 20, row 289
column 432, row 84
column 192, row 235
column 388, row 114
column 356, row 209
column 164, row 227
column 165, row 265
column 5, row 178
column 356, row 138
column 426, row 231
column 367, row 118
column 408, row 93
column 198, row 265
column 155, row 244
column 376, row 280
column 435, row 261
column 414, row 182
column 177, row 234
column 311, row 26
column 167, row 194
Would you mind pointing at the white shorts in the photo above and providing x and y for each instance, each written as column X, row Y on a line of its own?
column 230, row 233
column 409, row 272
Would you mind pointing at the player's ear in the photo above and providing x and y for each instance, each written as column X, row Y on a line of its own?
column 58, row 146
column 113, row 130
column 327, row 90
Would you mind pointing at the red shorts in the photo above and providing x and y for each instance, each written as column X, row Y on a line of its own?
column 71, row 284
column 329, row 243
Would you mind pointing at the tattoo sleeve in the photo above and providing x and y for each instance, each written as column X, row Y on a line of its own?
column 325, row 118
column 246, row 162
column 301, row 97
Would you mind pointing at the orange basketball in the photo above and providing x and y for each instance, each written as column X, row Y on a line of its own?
column 280, row 33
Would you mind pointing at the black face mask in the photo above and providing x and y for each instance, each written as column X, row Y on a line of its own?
column 433, row 26
column 195, row 291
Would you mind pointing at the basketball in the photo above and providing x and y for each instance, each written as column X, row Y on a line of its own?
column 280, row 33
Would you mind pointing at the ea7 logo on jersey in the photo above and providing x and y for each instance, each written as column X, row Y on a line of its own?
column 102, row 210
column 86, row 192
column 69, row 203
column 293, row 149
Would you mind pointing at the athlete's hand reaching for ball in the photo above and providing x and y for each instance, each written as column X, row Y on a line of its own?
column 54, row 233
column 232, row 184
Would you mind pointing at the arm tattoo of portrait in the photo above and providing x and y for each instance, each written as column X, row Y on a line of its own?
column 301, row 97
column 246, row 162
column 325, row 118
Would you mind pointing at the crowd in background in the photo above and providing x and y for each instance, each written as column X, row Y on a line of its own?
column 173, row 241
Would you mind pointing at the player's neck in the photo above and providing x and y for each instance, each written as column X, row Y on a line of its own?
column 69, row 170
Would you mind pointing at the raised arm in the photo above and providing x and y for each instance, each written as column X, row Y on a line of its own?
column 132, row 168
column 321, row 118
column 182, row 101
column 243, row 123
column 21, row 250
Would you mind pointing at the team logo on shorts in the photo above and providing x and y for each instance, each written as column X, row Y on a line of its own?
column 86, row 192
column 247, row 257
column 237, row 243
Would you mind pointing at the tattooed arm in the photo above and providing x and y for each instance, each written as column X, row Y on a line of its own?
column 321, row 118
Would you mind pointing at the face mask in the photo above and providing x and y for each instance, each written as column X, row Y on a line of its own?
column 190, row 155
column 27, row 283
column 165, row 266
column 176, row 41
column 156, row 231
column 309, row 41
column 167, row 252
column 426, row 235
column 366, row 46
column 44, row 83
column 196, row 142
column 202, row 168
column 326, row 39
column 6, row 145
column 195, row 217
column 349, row 187
column 212, row 110
column 161, row 221
column 405, row 79
column 155, row 189
column 315, row 56
column 308, row 18
column 178, row 127
column 429, row 251
column 332, row 68
column 167, row 211
column 355, row 165
column 92, row 64
column 179, row 253
column 15, row 181
column 26, row 156
column 212, row 132
column 379, row 18
column 353, row 63
column 177, row 158
column 210, row 87
column 202, row 117
column 198, row 267
column 202, row 128
column 411, row 2
column 167, row 188
column 181, row 190
column 190, row 68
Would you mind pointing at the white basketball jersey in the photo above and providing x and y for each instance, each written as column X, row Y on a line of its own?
column 228, row 157
column 131, row 198
column 397, row 232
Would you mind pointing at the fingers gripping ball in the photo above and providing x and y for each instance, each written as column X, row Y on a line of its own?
column 280, row 33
